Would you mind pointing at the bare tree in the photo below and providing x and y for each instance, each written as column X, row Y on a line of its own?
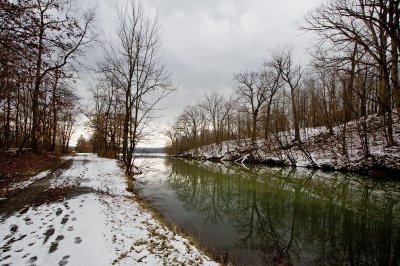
column 106, row 117
column 283, row 62
column 273, row 83
column 58, row 35
column 134, row 64
column 374, row 27
column 217, row 110
column 255, row 90
column 191, row 122
column 38, row 40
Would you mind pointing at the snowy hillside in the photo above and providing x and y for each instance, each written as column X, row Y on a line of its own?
column 318, row 148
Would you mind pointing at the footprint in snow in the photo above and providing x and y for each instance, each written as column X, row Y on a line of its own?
column 71, row 228
column 54, row 244
column 7, row 236
column 53, row 247
column 65, row 219
column 6, row 257
column 59, row 211
column 32, row 259
column 48, row 234
column 13, row 228
column 78, row 240
column 64, row 260
column 6, row 248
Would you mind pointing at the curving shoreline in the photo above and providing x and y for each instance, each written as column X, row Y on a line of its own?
column 319, row 148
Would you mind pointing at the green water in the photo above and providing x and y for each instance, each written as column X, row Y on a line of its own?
column 261, row 215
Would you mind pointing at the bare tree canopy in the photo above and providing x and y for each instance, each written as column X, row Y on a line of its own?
column 138, row 79
column 38, row 40
column 352, row 77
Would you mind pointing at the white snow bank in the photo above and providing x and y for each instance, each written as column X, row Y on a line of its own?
column 95, row 228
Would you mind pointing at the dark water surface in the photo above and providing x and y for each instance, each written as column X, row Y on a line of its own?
column 263, row 215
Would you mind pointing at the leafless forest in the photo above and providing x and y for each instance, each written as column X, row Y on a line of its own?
column 39, row 39
column 353, row 75
column 42, row 44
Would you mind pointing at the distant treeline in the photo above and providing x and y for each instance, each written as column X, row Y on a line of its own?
column 149, row 150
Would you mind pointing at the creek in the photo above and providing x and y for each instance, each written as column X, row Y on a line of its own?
column 267, row 215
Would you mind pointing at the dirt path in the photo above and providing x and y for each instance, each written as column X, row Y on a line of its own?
column 82, row 215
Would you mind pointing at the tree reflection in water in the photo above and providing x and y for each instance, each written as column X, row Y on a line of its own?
column 294, row 216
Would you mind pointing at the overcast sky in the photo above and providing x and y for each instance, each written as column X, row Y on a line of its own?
column 205, row 42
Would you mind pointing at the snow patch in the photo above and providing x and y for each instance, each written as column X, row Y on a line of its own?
column 25, row 184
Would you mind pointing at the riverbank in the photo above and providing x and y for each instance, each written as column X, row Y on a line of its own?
column 345, row 148
column 91, row 220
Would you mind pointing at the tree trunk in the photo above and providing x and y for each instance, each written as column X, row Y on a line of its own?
column 8, row 115
column 17, row 128
column 254, row 127
column 35, row 95
column 126, row 127
column 349, row 110
column 54, row 105
column 267, row 120
column 394, row 33
column 295, row 119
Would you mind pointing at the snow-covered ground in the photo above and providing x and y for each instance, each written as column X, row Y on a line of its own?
column 318, row 148
column 102, row 226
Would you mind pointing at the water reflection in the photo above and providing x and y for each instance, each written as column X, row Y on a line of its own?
column 288, row 216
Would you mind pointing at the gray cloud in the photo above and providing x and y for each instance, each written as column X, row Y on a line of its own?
column 205, row 42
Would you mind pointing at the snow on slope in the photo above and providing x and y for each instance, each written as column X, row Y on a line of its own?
column 318, row 148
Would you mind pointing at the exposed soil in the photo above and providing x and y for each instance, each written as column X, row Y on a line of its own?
column 16, row 169
column 19, row 168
